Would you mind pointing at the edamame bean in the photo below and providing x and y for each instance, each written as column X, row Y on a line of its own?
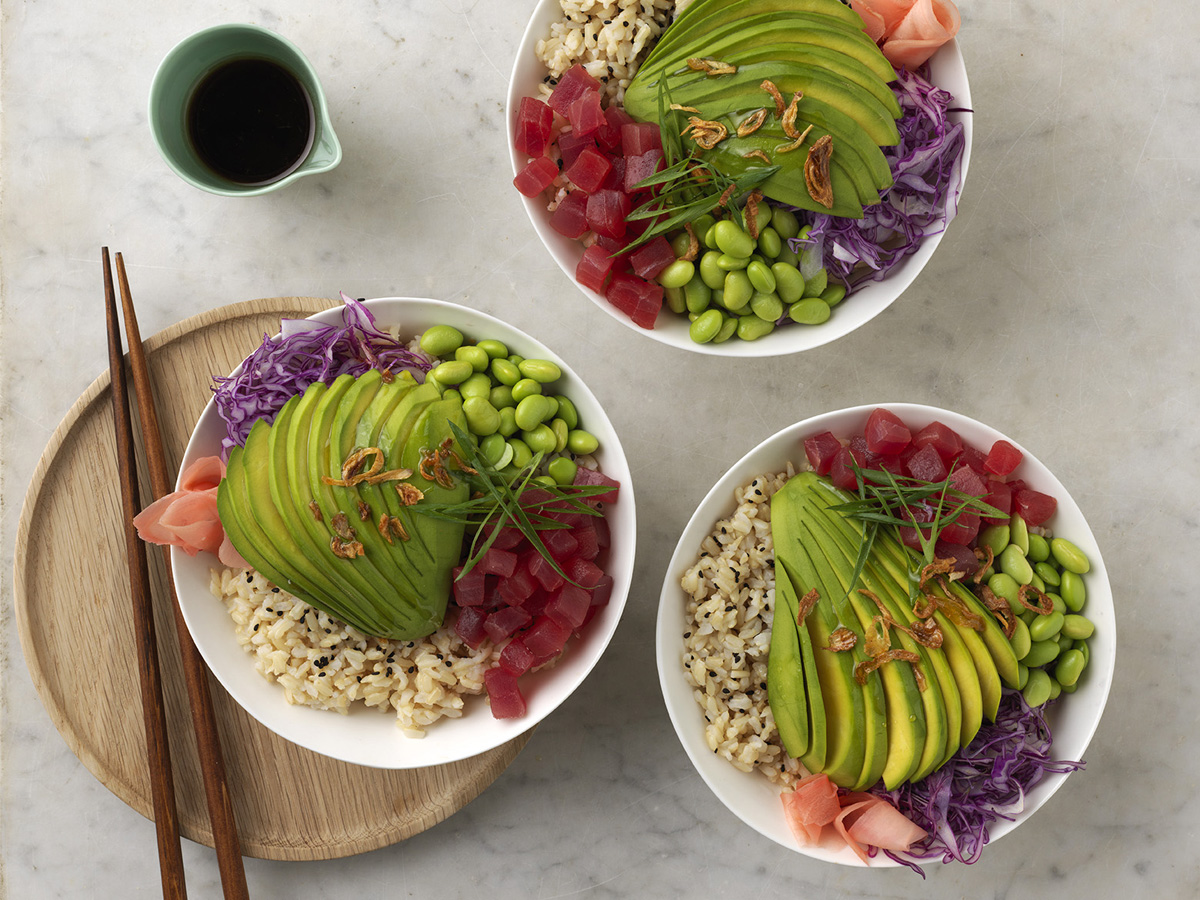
column 1044, row 628
column 1069, row 556
column 1082, row 647
column 766, row 306
column 761, row 277
column 785, row 222
column 1004, row 585
column 1020, row 640
column 1055, row 689
column 452, row 371
column 834, row 294
column 1037, row 687
column 732, row 240
column 677, row 274
column 544, row 480
column 697, row 294
column 492, row 448
column 521, row 452
column 1073, row 592
column 762, row 217
column 1064, row 643
column 728, row 263
column 493, row 348
column 701, row 225
column 1022, row 675
column 1037, row 584
column 582, row 443
column 1047, row 573
column 710, row 273
column 482, row 418
column 478, row 359
column 540, row 439
column 815, row 286
column 531, row 412
column 441, row 340
column 751, row 328
column 1014, row 563
column 769, row 242
column 478, row 385
column 562, row 470
column 508, row 421
column 709, row 237
column 995, row 537
column 737, row 291
column 1040, row 653
column 1018, row 533
column 1069, row 668
column 810, row 311
column 1057, row 603
column 706, row 326
column 505, row 372
column 568, row 412
column 789, row 283
column 501, row 396
column 1070, row 688
column 526, row 387
column 543, row 371
column 788, row 256
column 516, row 358
column 675, row 300
column 681, row 242
column 728, row 330
column 560, row 429
column 1078, row 627
column 1039, row 548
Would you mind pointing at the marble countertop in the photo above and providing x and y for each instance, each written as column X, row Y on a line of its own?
column 1061, row 308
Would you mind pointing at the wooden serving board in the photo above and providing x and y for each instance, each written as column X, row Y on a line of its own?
column 73, row 612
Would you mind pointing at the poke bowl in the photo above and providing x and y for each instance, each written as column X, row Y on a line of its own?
column 732, row 723
column 832, row 260
column 411, row 701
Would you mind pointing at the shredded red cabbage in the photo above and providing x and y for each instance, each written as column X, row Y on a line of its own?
column 925, row 166
column 985, row 781
column 306, row 352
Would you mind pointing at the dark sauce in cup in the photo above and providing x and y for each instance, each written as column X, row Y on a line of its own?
column 250, row 121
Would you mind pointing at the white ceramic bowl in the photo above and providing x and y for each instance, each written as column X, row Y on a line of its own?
column 947, row 70
column 366, row 736
column 753, row 799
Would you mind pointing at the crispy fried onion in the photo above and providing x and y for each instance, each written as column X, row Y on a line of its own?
column 757, row 154
column 711, row 66
column 925, row 632
column 933, row 570
column 816, row 171
column 364, row 511
column 726, row 195
column 796, row 144
column 693, row 249
column 682, row 108
column 999, row 608
column 705, row 132
column 432, row 466
column 353, row 474
column 842, row 639
column 315, row 510
column 409, row 493
column 788, row 119
column 769, row 87
column 389, row 525
column 807, row 603
column 956, row 611
column 752, row 123
column 865, row 667
column 986, row 557
column 697, row 171
column 1043, row 607
column 752, row 212
column 343, row 542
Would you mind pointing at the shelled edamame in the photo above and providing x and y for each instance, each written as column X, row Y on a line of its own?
column 744, row 287
column 508, row 404
column 1050, row 642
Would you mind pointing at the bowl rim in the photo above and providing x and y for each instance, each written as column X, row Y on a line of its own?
column 731, row 786
column 871, row 299
column 366, row 736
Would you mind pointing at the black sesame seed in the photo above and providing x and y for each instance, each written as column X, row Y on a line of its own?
column 274, row 590
column 249, row 577
column 411, row 669
column 686, row 634
column 449, row 663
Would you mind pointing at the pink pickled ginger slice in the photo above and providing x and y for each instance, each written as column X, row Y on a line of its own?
column 909, row 31
column 187, row 518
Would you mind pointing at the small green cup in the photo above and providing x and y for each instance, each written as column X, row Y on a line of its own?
column 181, row 71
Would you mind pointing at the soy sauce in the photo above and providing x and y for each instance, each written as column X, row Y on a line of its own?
column 250, row 121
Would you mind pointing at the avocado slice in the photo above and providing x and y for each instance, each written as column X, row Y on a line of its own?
column 789, row 695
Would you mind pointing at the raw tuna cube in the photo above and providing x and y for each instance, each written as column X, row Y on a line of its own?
column 509, row 537
column 589, row 170
column 469, row 625
column 574, row 83
column 999, row 495
column 503, row 693
column 965, row 479
column 1034, row 506
column 536, row 604
column 515, row 657
column 927, row 465
column 468, row 589
column 585, row 113
column 594, row 267
column 639, row 167
column 569, row 605
column 886, row 433
column 841, row 471
column 560, row 542
column 571, row 145
column 608, row 135
column 820, row 450
column 496, row 562
column 570, row 216
column 545, row 639
column 962, row 530
column 638, row 137
column 943, row 438
column 516, row 589
column 584, row 475
column 638, row 298
column 911, row 534
column 1003, row 458
column 586, row 541
column 975, row 459
column 606, row 212
column 602, row 592
column 584, row 573
column 542, row 571
column 652, row 257
column 538, row 175
column 504, row 621
column 535, row 121
column 616, row 175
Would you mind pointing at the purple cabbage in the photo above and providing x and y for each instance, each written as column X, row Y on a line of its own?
column 926, row 166
column 985, row 781
column 304, row 353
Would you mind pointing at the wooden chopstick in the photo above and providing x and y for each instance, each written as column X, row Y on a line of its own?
column 204, row 722
column 162, row 787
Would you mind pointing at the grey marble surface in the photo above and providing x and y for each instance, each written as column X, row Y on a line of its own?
column 1061, row 308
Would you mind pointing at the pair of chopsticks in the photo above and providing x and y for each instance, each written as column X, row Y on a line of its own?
column 212, row 765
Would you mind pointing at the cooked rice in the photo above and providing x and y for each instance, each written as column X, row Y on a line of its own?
column 324, row 663
column 731, row 595
column 608, row 37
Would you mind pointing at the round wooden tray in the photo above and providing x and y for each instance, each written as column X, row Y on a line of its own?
column 73, row 612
